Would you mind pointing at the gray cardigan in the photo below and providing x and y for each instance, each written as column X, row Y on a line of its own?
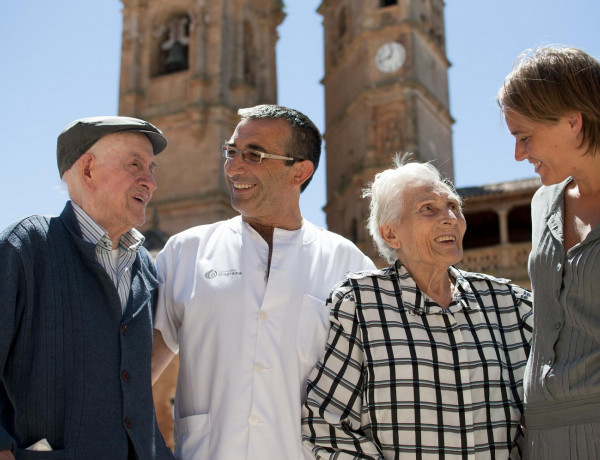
column 75, row 369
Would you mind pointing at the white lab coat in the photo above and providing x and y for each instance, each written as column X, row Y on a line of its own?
column 247, row 343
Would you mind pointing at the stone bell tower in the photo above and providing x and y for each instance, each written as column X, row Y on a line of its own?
column 386, row 91
column 187, row 66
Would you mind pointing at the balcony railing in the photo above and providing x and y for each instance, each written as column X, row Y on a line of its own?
column 503, row 260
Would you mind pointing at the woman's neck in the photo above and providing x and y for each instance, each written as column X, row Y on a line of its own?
column 436, row 283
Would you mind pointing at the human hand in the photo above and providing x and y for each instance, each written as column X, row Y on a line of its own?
column 6, row 455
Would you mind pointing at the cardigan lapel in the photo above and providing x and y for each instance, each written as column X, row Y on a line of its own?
column 143, row 285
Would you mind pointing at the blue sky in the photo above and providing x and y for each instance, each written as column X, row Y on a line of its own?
column 60, row 61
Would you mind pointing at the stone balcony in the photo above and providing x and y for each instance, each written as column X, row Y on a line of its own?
column 507, row 260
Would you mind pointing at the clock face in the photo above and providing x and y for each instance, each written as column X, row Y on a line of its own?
column 390, row 57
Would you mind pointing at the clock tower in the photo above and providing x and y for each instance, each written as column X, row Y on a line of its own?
column 386, row 91
column 187, row 66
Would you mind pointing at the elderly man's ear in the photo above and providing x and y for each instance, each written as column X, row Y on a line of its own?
column 390, row 237
column 85, row 166
column 79, row 178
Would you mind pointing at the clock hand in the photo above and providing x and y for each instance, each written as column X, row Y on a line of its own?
column 388, row 53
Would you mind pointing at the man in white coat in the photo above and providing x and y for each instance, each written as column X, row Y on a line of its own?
column 243, row 301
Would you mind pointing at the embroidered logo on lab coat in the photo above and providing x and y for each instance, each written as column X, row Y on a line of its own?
column 212, row 274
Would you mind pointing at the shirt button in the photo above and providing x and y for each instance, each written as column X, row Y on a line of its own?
column 258, row 366
column 262, row 315
column 125, row 376
column 123, row 329
column 557, row 326
column 254, row 420
column 128, row 423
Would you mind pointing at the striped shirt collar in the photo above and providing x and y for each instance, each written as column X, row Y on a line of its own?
column 95, row 234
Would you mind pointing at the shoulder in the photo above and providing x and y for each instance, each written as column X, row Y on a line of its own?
column 484, row 283
column 329, row 239
column 194, row 235
column 362, row 281
column 385, row 273
column 474, row 276
column 350, row 294
column 26, row 242
column 322, row 233
column 26, row 231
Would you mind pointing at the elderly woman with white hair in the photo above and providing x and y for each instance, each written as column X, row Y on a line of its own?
column 423, row 360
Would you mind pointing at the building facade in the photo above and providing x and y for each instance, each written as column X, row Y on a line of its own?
column 189, row 65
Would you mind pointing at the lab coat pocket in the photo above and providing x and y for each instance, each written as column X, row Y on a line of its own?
column 313, row 329
column 192, row 436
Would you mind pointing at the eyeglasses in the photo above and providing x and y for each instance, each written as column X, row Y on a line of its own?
column 250, row 155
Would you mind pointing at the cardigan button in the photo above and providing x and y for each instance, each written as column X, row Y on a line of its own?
column 123, row 329
column 128, row 423
column 125, row 376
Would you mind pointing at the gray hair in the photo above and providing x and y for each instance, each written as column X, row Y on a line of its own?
column 386, row 193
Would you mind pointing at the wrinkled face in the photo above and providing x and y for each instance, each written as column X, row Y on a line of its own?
column 431, row 228
column 262, row 192
column 552, row 148
column 123, row 181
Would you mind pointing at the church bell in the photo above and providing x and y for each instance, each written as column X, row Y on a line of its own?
column 176, row 58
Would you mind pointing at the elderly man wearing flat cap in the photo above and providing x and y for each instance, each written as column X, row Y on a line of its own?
column 77, row 296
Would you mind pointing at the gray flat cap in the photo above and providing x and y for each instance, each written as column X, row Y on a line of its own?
column 80, row 135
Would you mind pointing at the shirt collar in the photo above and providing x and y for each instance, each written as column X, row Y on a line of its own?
column 420, row 303
column 95, row 234
column 306, row 234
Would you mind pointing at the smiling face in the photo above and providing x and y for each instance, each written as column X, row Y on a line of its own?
column 268, row 193
column 552, row 148
column 118, row 171
column 429, row 233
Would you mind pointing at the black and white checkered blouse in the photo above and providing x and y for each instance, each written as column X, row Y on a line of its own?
column 404, row 378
